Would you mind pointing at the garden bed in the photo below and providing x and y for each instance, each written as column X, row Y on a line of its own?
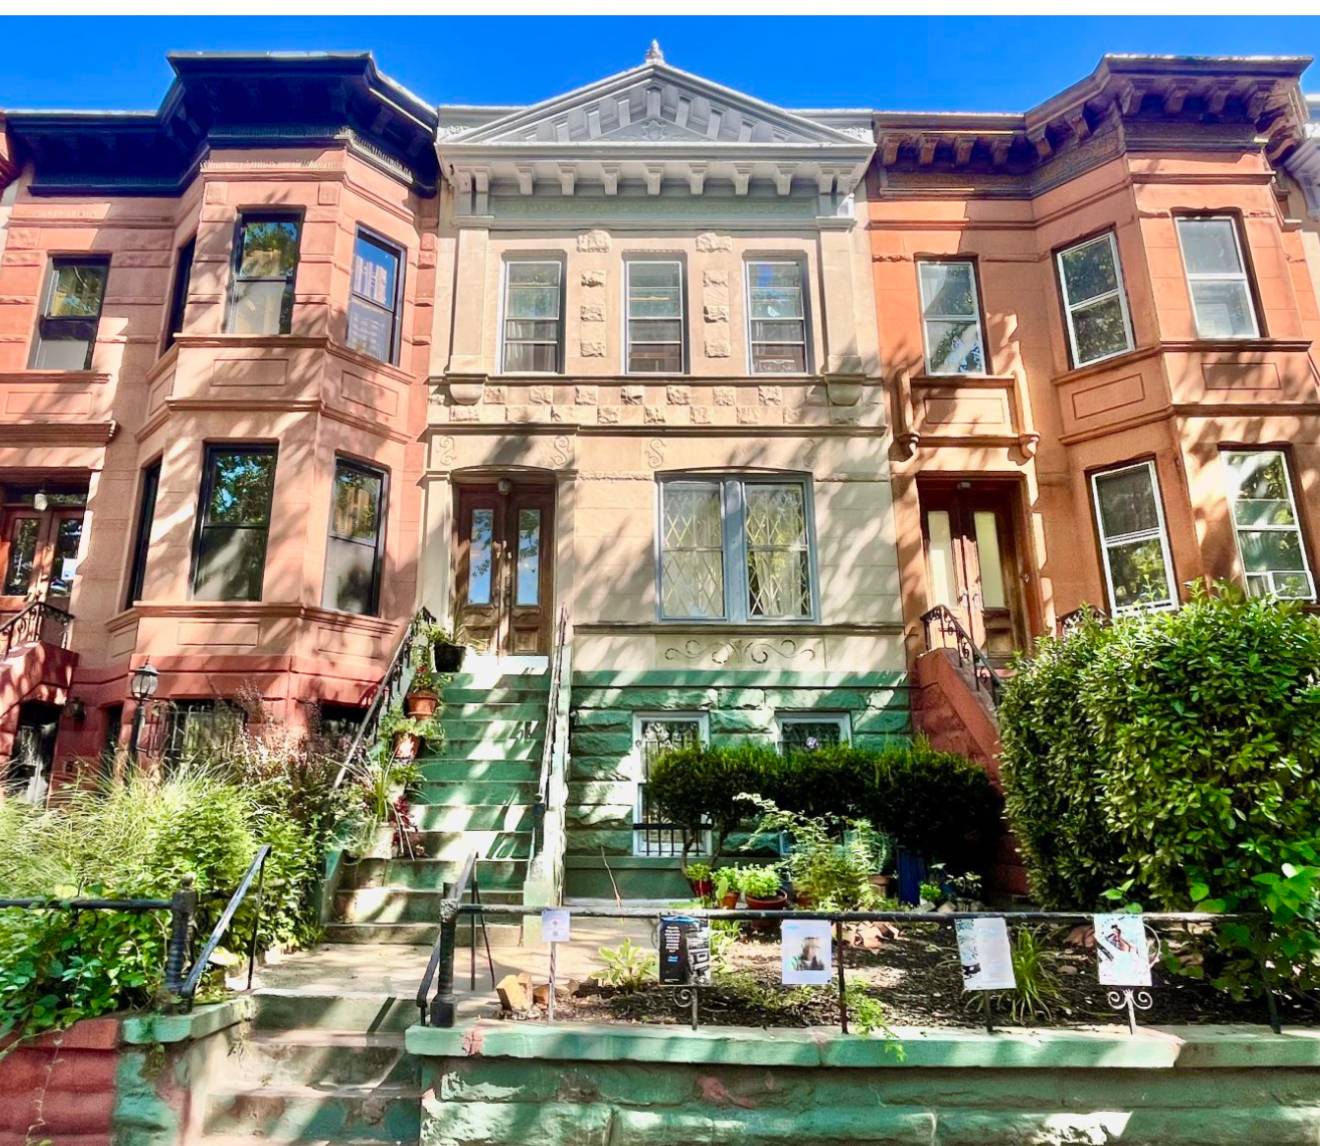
column 916, row 979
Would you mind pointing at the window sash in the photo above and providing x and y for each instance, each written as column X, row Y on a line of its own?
column 928, row 316
column 370, row 306
column 643, row 333
column 241, row 280
column 179, row 292
column 349, row 553
column 737, row 553
column 1072, row 306
column 1238, row 277
column 244, row 539
column 1110, row 543
column 511, row 339
column 142, row 537
column 652, row 837
column 1274, row 581
column 760, row 348
column 58, row 334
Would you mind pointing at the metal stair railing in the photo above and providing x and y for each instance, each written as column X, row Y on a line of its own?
column 38, row 623
column 942, row 622
column 545, row 868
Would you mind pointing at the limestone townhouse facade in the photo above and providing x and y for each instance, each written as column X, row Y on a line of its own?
column 722, row 397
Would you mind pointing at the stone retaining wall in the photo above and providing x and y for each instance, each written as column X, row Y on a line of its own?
column 501, row 1083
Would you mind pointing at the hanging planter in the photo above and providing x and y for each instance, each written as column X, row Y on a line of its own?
column 448, row 656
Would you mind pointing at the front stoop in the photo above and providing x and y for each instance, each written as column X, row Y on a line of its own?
column 478, row 794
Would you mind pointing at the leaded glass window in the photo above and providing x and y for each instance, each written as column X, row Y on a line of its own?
column 1133, row 540
column 807, row 732
column 654, row 736
column 21, row 562
column 951, row 317
column 1269, row 537
column 735, row 548
column 1094, row 301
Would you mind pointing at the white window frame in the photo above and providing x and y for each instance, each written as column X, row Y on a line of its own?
column 635, row 764
column 734, row 551
column 1127, row 538
column 970, row 264
column 1069, row 306
column 561, row 342
column 628, row 264
column 1225, row 276
column 843, row 720
column 1296, row 526
column 801, row 267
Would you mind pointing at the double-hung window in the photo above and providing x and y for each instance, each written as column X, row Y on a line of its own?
column 265, row 266
column 357, row 536
column 1094, row 301
column 736, row 549
column 655, row 316
column 950, row 316
column 1217, row 277
column 373, row 299
column 1133, row 541
column 1269, row 537
column 233, row 521
column 70, row 314
column 533, row 316
column 653, row 735
column 146, row 517
column 777, row 316
column 179, row 291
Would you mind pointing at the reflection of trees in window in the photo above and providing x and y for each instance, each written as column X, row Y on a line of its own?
column 354, row 553
column 480, row 556
column 230, row 560
column 265, row 266
column 1132, row 538
column 201, row 730
column 22, row 555
column 66, row 329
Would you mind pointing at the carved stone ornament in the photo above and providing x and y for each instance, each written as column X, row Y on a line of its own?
column 709, row 241
column 595, row 241
column 593, row 278
column 843, row 393
column 755, row 651
column 466, row 390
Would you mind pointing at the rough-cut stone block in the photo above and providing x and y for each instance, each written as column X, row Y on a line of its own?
column 514, row 1124
column 715, row 313
column 585, row 395
column 592, row 278
column 725, row 395
column 600, row 743
column 631, row 395
column 593, row 348
column 678, row 395
column 713, row 276
column 592, row 312
column 742, row 697
column 718, row 348
column 594, row 241
column 709, row 241
column 598, row 718
column 741, row 720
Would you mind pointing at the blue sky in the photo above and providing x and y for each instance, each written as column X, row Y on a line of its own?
column 928, row 63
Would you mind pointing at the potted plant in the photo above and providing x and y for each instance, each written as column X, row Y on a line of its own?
column 384, row 780
column 726, row 887
column 432, row 654
column 698, row 876
column 406, row 735
column 762, row 888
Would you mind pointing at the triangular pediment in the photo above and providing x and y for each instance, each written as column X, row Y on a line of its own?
column 653, row 103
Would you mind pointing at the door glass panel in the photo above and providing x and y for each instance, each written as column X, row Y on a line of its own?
column 22, row 555
column 480, row 553
column 66, row 556
column 986, row 523
column 529, row 557
column 939, row 559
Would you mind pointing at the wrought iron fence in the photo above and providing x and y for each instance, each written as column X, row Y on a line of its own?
column 943, row 630
column 38, row 623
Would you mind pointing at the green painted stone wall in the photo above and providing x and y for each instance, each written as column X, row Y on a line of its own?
column 651, row 1086
column 741, row 706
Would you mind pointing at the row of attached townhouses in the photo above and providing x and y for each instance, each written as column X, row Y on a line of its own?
column 724, row 397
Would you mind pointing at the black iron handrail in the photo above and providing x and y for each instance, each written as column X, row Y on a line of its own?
column 441, row 1010
column 28, row 627
column 256, row 870
column 391, row 684
column 551, row 734
column 946, row 624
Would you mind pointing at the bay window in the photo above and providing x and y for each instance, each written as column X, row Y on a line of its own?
column 70, row 313
column 1094, row 302
column 1134, row 543
column 233, row 522
column 1217, row 277
column 356, row 542
column 265, row 267
column 736, row 549
column 374, row 299
column 1269, row 536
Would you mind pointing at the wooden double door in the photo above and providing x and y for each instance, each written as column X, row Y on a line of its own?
column 38, row 555
column 504, row 566
column 972, row 563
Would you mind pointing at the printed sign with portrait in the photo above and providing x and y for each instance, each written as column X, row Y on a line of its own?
column 805, row 951
column 1121, row 950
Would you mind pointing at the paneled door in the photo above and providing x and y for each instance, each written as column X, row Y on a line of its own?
column 38, row 555
column 972, row 566
column 503, row 566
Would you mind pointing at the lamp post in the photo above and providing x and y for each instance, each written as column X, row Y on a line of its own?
column 142, row 687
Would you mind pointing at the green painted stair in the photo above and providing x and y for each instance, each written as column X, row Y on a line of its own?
column 477, row 794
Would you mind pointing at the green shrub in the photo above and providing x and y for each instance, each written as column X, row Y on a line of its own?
column 700, row 787
column 1204, row 729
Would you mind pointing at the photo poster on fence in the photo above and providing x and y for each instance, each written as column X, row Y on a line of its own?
column 555, row 925
column 985, row 955
column 805, row 952
column 684, row 950
column 1121, row 950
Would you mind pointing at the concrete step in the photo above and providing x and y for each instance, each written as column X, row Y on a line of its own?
column 459, row 818
column 450, row 845
column 529, row 708
column 476, row 749
column 493, row 729
column 364, row 1013
column 409, row 905
column 369, row 1113
column 466, row 793
column 433, row 874
column 539, row 681
column 503, row 694
column 321, row 1058
column 517, row 770
column 414, row 934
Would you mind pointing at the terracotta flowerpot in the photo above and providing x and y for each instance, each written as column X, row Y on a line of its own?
column 884, row 884
column 802, row 899
column 776, row 902
column 422, row 703
column 448, row 658
column 406, row 746
column 730, row 900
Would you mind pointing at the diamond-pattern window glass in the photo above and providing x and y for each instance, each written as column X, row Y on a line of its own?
column 778, row 557
column 692, row 551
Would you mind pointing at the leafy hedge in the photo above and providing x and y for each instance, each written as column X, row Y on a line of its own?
column 937, row 804
column 1175, row 759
